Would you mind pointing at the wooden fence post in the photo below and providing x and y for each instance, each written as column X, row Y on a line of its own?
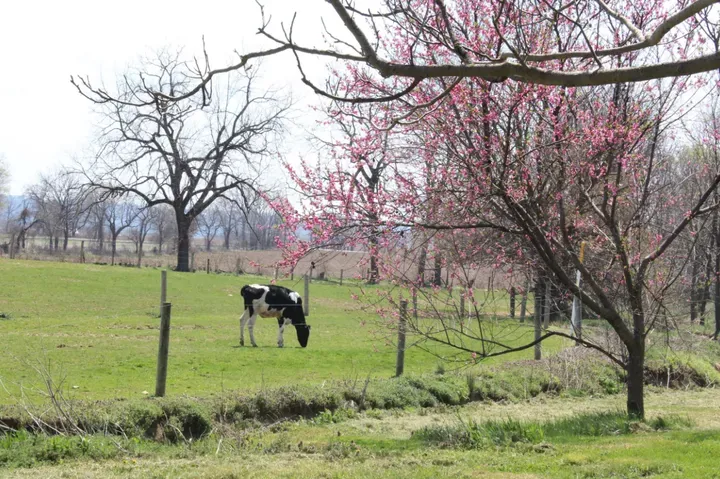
column 538, row 317
column 207, row 268
column 523, row 301
column 12, row 246
column 462, row 306
column 192, row 261
column 163, row 289
column 414, row 303
column 402, row 320
column 163, row 351
column 237, row 266
column 306, row 299
column 82, row 251
column 512, row 301
column 276, row 273
column 341, row 276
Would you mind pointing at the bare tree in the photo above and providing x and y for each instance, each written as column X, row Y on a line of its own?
column 209, row 225
column 164, row 225
column 184, row 154
column 61, row 203
column 143, row 224
column 4, row 179
column 119, row 215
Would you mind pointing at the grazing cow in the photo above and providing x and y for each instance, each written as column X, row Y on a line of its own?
column 276, row 302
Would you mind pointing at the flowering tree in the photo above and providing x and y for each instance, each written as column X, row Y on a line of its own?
column 544, row 168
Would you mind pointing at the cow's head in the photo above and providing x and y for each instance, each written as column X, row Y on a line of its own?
column 303, row 334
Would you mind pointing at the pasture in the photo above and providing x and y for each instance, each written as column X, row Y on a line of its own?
column 97, row 327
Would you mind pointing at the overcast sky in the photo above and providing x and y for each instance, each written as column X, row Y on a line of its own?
column 44, row 122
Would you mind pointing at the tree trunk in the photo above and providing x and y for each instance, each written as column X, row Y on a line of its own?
column 101, row 236
column 437, row 276
column 114, row 249
column 636, row 382
column 139, row 253
column 422, row 260
column 183, row 250
column 226, row 239
column 374, row 273
column 160, row 241
column 693, row 287
column 704, row 294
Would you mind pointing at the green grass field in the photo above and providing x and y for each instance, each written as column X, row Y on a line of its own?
column 97, row 327
column 386, row 445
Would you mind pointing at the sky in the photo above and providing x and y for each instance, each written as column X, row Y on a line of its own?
column 45, row 123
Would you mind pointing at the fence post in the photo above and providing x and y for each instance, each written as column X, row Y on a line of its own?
column 576, row 316
column 163, row 289
column 82, row 251
column 400, row 361
column 207, row 268
column 414, row 303
column 163, row 351
column 523, row 301
column 512, row 301
column 306, row 299
column 538, row 317
column 341, row 276
column 192, row 262
column 548, row 301
column 276, row 273
column 12, row 246
column 462, row 306
column 237, row 266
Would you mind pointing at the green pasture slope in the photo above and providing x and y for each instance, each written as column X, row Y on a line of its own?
column 97, row 327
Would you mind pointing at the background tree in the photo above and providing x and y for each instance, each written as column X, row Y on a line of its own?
column 120, row 214
column 209, row 225
column 165, row 227
column 4, row 180
column 185, row 154
column 143, row 224
column 61, row 203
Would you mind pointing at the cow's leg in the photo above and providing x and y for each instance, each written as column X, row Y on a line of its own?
column 243, row 321
column 282, row 322
column 251, row 328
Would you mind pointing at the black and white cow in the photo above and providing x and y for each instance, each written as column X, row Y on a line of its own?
column 270, row 301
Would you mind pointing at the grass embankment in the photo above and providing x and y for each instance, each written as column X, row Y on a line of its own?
column 598, row 443
column 97, row 326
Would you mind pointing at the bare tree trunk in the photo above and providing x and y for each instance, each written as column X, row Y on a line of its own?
column 717, row 284
column 693, row 287
column 704, row 294
column 114, row 249
column 66, row 235
column 183, row 251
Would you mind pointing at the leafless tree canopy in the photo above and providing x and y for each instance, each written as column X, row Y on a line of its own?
column 186, row 154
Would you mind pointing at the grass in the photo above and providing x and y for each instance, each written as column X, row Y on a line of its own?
column 387, row 445
column 96, row 326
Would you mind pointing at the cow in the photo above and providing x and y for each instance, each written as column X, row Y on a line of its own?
column 276, row 302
